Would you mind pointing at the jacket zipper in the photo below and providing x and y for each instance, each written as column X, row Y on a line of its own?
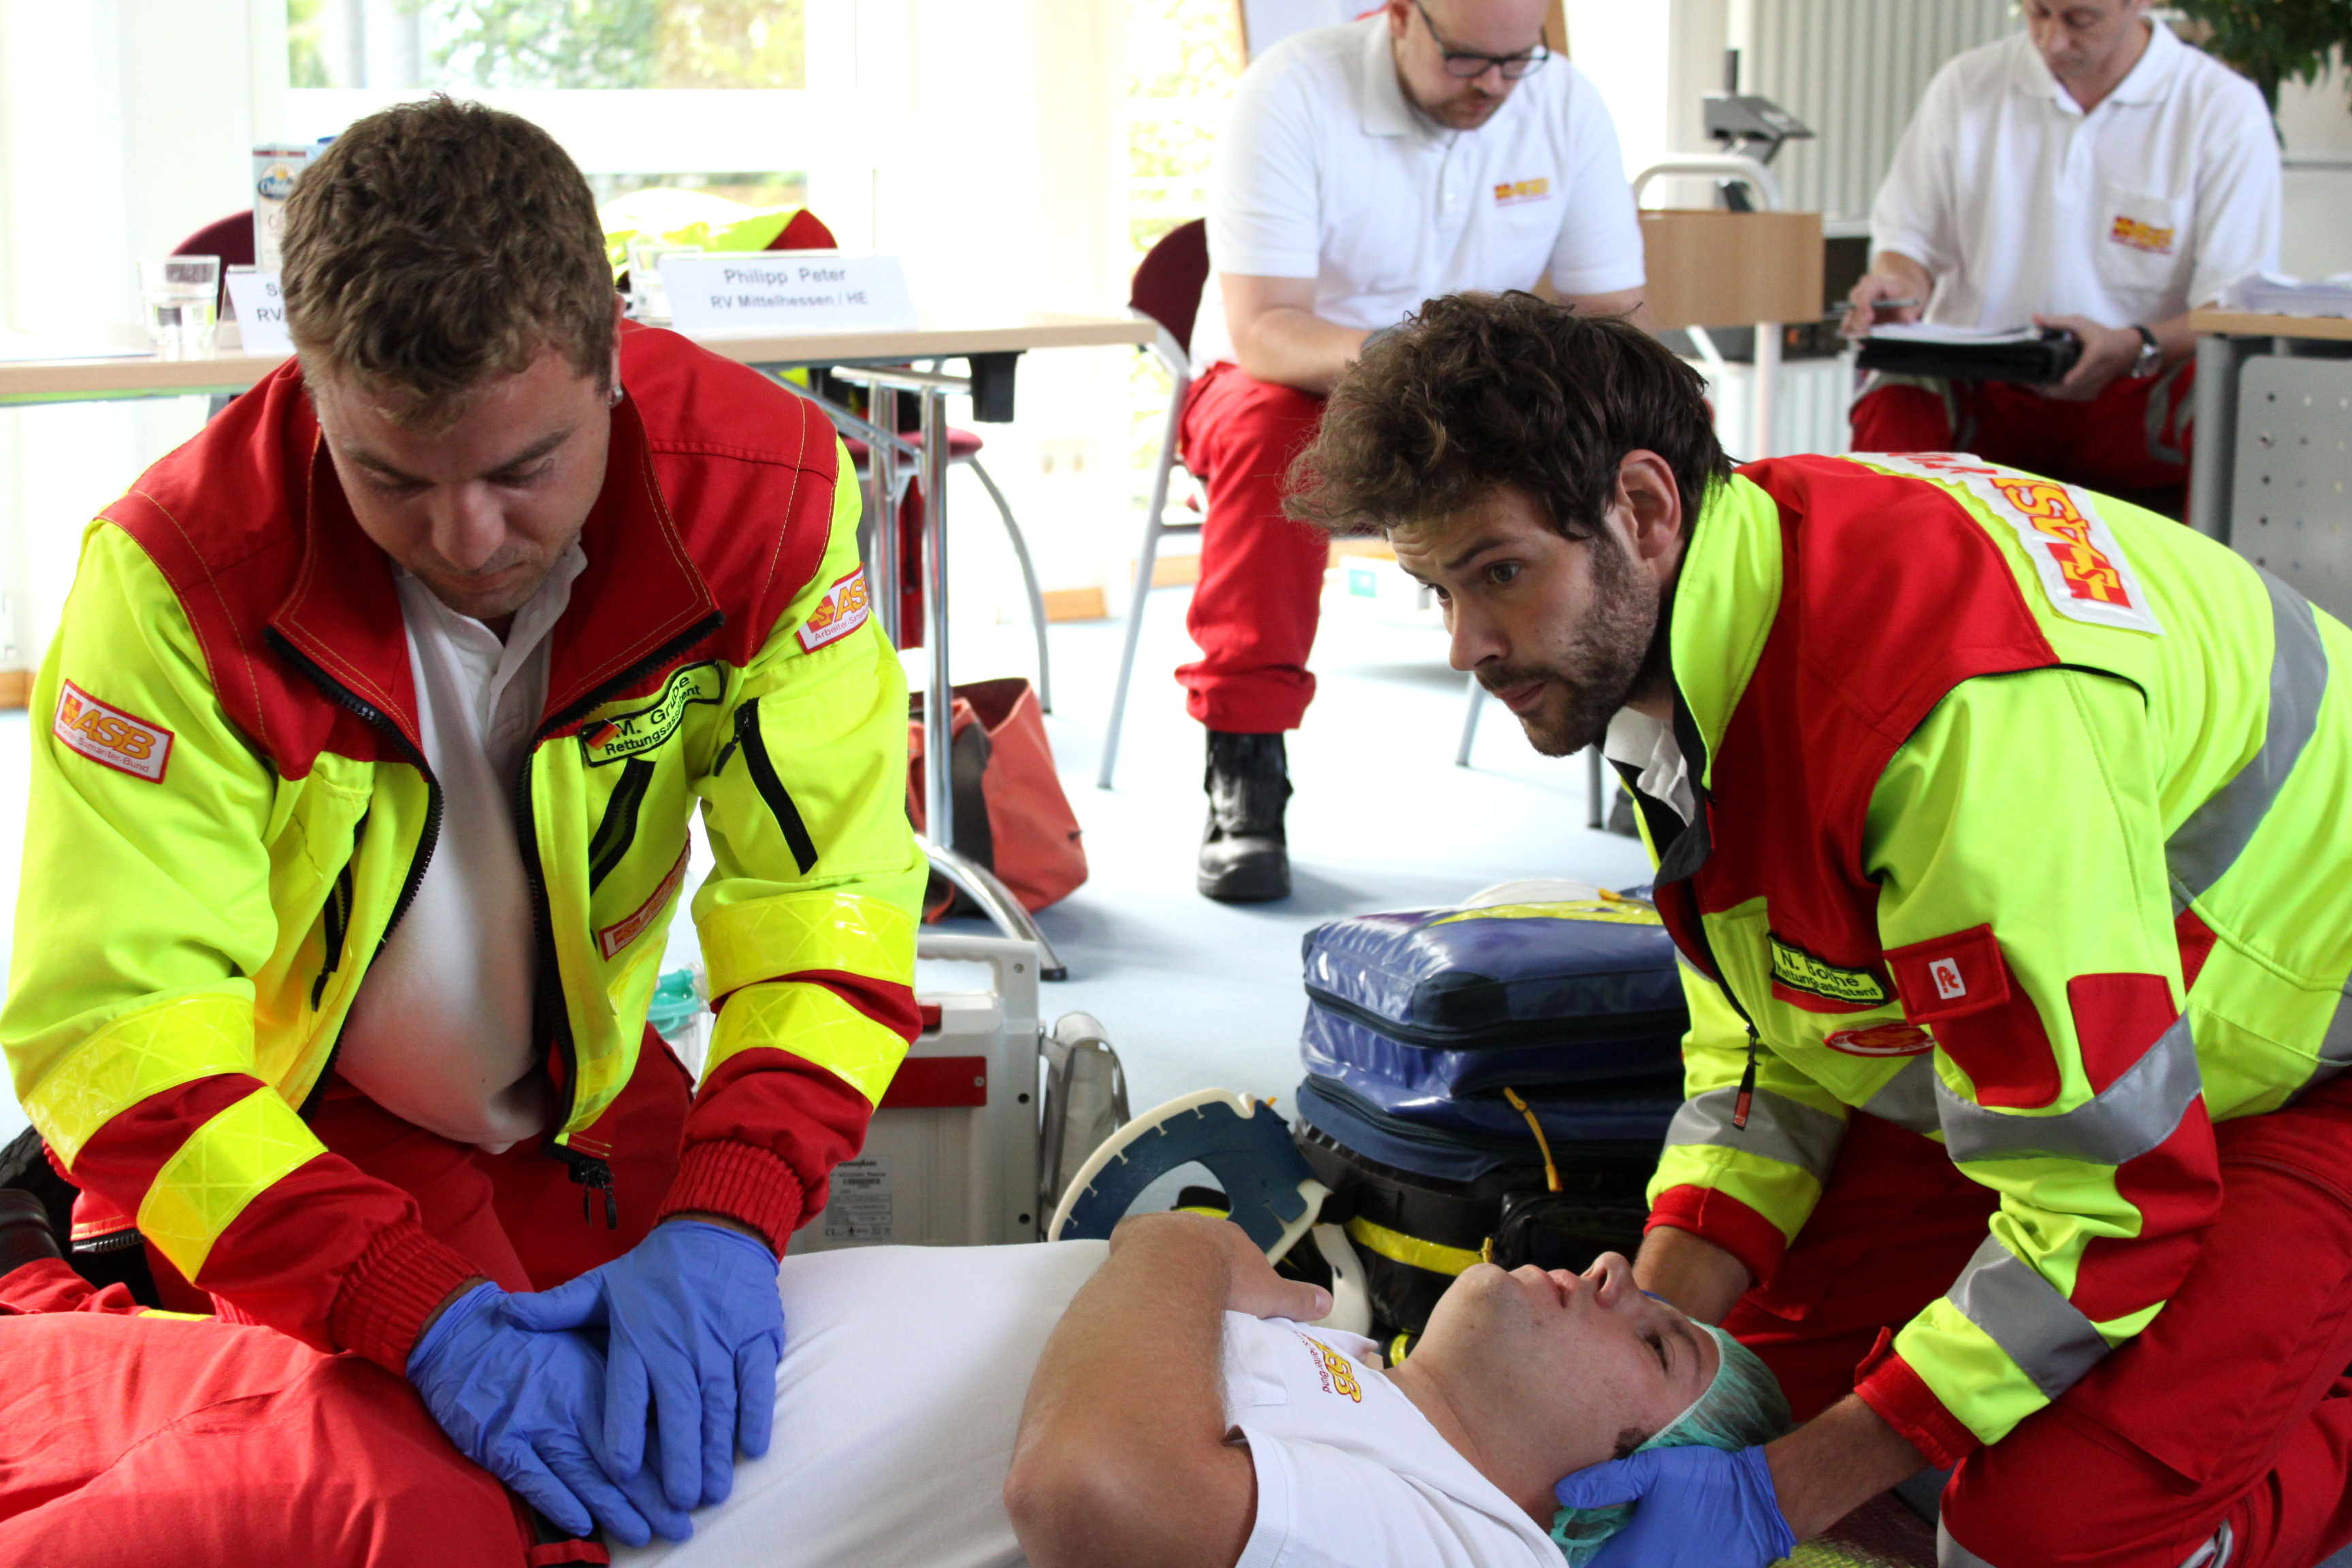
column 1746, row 1095
column 772, row 788
column 343, row 698
column 592, row 1174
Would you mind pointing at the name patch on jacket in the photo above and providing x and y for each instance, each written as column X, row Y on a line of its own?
column 123, row 742
column 1816, row 981
column 2082, row 567
column 617, row 737
column 620, row 933
column 841, row 611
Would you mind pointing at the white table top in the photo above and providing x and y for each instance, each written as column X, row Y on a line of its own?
column 941, row 338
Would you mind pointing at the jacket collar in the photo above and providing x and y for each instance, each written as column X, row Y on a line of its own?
column 638, row 597
column 1381, row 106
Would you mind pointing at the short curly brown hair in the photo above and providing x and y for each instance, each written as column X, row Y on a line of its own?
column 1480, row 391
column 437, row 244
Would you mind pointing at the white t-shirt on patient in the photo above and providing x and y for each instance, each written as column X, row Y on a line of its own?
column 900, row 1391
column 1349, row 1473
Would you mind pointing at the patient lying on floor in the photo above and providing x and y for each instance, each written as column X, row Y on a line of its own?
column 1073, row 1403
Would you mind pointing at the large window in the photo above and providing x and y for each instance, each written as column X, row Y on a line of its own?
column 754, row 100
column 461, row 45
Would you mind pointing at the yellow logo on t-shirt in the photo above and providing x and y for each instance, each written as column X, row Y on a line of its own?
column 1511, row 192
column 2141, row 236
column 1339, row 1373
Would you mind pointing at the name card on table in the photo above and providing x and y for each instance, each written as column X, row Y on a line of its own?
column 260, row 313
column 786, row 289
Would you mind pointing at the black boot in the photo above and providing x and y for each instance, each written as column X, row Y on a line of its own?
column 1242, row 857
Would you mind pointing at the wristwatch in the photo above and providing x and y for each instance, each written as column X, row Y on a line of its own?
column 2151, row 353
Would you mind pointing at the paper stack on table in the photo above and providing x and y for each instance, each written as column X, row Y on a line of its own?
column 2277, row 294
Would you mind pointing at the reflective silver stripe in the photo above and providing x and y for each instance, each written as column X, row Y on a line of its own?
column 2123, row 1122
column 1778, row 1128
column 1908, row 1099
column 2217, row 832
column 1950, row 1554
column 2045, row 1334
column 2335, row 1046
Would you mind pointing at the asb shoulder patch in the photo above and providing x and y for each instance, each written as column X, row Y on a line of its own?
column 123, row 742
column 1880, row 1040
column 617, row 737
column 841, row 611
column 1820, row 986
column 2082, row 566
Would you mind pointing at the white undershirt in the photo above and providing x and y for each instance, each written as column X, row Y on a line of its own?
column 895, row 1422
column 1641, row 741
column 440, row 1032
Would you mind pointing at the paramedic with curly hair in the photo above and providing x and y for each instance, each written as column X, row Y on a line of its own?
column 2000, row 828
column 371, row 733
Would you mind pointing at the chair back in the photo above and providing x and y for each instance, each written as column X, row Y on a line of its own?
column 806, row 231
column 1168, row 281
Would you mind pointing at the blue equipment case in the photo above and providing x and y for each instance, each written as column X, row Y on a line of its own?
column 1423, row 1027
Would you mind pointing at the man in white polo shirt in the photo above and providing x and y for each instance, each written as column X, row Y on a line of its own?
column 2094, row 173
column 1430, row 148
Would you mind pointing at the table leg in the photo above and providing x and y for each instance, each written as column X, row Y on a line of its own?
column 939, row 701
column 882, row 474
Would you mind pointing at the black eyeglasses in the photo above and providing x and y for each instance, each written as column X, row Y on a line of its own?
column 1469, row 64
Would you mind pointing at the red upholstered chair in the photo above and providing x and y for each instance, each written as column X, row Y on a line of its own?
column 806, row 231
column 230, row 238
column 1166, row 291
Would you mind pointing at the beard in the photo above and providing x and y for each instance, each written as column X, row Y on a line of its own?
column 1619, row 648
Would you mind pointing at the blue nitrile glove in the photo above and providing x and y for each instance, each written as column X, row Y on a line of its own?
column 1697, row 1507
column 524, row 1406
column 696, row 1328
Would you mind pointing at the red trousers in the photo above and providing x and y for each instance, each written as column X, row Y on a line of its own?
column 1261, row 588
column 137, row 1442
column 2132, row 441
column 2233, row 1408
column 518, row 1215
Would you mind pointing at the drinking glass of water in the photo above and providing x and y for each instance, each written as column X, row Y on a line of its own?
column 183, row 298
column 648, row 299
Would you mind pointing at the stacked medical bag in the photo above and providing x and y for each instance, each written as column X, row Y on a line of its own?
column 1490, row 1081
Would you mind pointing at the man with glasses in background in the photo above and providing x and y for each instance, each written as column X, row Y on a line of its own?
column 1430, row 148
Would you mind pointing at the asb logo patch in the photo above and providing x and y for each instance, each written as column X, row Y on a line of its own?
column 841, row 611
column 1511, row 192
column 617, row 737
column 1815, row 981
column 2139, row 236
column 1951, row 976
column 2082, row 566
column 1880, row 1040
column 122, row 742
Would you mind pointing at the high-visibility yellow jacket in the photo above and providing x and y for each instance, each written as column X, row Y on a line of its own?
column 230, row 811
column 2023, row 827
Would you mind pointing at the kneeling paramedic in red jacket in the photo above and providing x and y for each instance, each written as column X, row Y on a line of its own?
column 358, row 815
column 2000, row 828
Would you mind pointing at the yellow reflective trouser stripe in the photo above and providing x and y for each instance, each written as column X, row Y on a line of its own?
column 1399, row 1248
column 814, row 1024
column 765, row 939
column 223, row 1165
column 138, row 1055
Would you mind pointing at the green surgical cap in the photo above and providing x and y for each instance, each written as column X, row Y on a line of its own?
column 1742, row 1407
